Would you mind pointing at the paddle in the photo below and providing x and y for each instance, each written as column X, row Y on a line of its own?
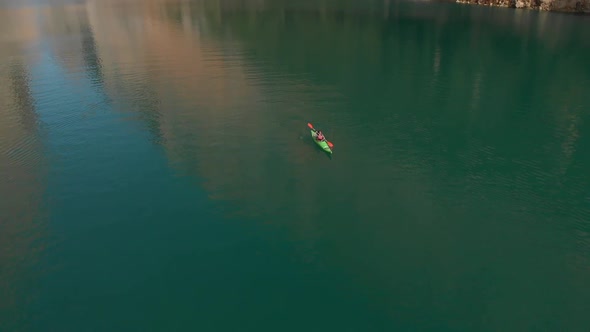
column 329, row 143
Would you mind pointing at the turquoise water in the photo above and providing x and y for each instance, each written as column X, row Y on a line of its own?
column 157, row 172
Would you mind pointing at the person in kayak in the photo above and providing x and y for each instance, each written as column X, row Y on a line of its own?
column 320, row 136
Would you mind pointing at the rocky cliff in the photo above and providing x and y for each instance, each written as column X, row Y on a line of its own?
column 572, row 6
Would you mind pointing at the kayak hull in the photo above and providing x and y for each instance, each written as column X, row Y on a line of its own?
column 322, row 144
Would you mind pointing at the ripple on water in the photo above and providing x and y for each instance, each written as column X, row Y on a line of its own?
column 25, row 151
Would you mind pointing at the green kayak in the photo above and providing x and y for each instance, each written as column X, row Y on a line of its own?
column 323, row 144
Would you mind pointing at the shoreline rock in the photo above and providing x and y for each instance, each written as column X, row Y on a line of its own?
column 565, row 6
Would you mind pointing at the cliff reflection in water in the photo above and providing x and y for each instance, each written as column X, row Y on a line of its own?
column 234, row 82
column 21, row 166
column 215, row 114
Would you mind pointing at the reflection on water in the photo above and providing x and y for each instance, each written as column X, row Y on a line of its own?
column 21, row 171
column 457, row 190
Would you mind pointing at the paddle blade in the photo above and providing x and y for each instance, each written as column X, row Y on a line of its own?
column 309, row 125
column 330, row 144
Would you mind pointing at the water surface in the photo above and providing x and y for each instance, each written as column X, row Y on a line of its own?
column 157, row 172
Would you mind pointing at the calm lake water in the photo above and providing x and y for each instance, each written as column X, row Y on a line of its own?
column 157, row 172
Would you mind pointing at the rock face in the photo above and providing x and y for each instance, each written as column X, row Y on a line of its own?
column 572, row 6
column 498, row 3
